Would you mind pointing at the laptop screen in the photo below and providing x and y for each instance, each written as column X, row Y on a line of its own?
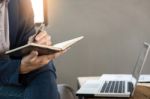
column 141, row 61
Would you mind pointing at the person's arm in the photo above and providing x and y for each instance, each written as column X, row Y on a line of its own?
column 9, row 71
column 32, row 61
column 27, row 26
column 10, row 67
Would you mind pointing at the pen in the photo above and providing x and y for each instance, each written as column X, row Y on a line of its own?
column 41, row 28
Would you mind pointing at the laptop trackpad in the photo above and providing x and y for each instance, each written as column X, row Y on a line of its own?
column 90, row 87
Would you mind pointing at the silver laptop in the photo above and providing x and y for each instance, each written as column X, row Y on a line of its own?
column 116, row 85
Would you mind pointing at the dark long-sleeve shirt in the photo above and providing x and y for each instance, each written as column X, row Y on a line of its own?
column 21, row 21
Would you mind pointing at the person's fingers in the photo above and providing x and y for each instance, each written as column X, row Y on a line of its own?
column 30, row 40
column 64, row 51
column 61, row 53
column 45, row 58
column 49, row 39
column 33, row 56
column 49, row 43
column 42, row 60
column 58, row 54
column 45, row 41
column 51, row 57
column 41, row 35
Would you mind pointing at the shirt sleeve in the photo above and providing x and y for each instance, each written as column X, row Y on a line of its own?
column 9, row 67
column 9, row 71
column 27, row 26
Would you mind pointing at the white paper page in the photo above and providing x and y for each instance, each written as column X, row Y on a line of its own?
column 68, row 43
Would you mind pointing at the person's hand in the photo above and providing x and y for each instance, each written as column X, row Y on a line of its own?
column 32, row 61
column 42, row 38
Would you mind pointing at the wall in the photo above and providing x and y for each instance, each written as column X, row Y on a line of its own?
column 114, row 32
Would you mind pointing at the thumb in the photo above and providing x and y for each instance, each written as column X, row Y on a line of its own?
column 33, row 55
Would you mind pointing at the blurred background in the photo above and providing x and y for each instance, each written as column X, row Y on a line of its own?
column 114, row 32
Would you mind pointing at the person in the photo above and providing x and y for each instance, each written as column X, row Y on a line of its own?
column 37, row 74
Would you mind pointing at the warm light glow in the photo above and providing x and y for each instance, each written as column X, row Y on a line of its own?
column 38, row 11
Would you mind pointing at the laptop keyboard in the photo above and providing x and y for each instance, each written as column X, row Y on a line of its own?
column 130, row 86
column 113, row 87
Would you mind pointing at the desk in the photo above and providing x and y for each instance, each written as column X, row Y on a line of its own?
column 142, row 91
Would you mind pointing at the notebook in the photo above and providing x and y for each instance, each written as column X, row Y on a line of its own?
column 42, row 49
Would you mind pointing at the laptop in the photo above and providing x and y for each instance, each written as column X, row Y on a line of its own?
column 116, row 85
